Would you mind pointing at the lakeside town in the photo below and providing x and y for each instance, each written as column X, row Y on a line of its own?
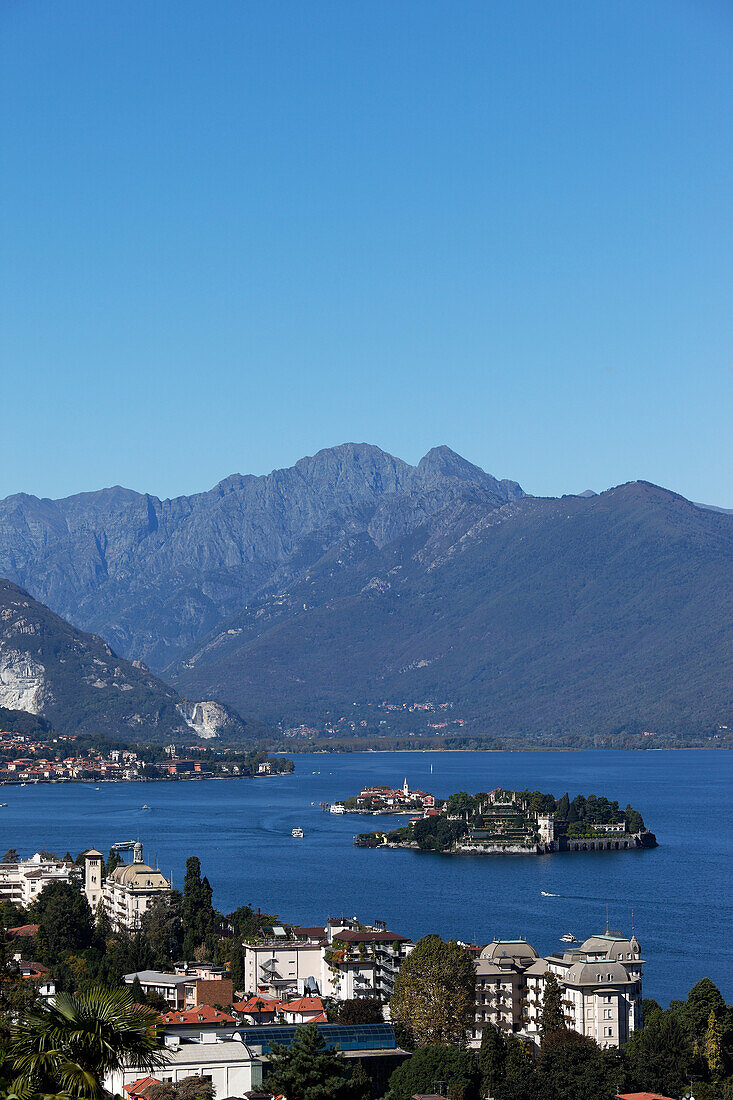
column 232, row 997
column 27, row 758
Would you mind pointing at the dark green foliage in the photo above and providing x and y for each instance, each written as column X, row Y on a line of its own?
column 634, row 820
column 137, row 991
column 236, row 969
column 573, row 1067
column 553, row 1017
column 247, row 923
column 64, row 921
column 437, row 834
column 162, row 925
column 661, row 1056
column 361, row 1083
column 20, row 721
column 563, row 808
column 194, row 1088
column 492, row 1058
column 360, row 1010
column 308, row 1071
column 197, row 911
column 437, row 1067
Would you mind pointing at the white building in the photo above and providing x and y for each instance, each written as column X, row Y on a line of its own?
column 344, row 961
column 22, row 882
column 229, row 1064
column 127, row 892
column 600, row 982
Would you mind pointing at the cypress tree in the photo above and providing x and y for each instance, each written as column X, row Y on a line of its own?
column 553, row 1018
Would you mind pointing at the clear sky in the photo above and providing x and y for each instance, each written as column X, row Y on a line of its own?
column 233, row 233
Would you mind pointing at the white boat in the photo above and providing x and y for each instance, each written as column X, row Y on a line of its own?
column 145, row 806
column 297, row 832
column 3, row 803
column 338, row 808
column 568, row 938
column 546, row 895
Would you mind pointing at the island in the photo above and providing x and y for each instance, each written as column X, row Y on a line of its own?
column 518, row 822
column 383, row 800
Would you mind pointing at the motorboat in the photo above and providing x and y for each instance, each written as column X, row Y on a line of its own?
column 545, row 894
column 568, row 938
column 297, row 832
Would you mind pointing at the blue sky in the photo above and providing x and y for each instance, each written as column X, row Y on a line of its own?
column 233, row 233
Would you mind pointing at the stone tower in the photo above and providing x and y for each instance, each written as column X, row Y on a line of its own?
column 93, row 878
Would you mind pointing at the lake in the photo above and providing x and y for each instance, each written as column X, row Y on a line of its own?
column 681, row 893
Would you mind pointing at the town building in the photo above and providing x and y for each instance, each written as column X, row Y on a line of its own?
column 231, row 1066
column 127, row 892
column 23, row 881
column 341, row 960
column 184, row 991
column 600, row 980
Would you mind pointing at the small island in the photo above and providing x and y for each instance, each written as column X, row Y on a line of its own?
column 384, row 800
column 518, row 822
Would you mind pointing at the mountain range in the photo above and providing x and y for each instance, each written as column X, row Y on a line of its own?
column 75, row 683
column 354, row 577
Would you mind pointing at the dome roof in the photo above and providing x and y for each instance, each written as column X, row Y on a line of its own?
column 138, row 876
column 612, row 945
column 511, row 949
column 601, row 972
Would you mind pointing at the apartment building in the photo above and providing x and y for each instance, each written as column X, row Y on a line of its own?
column 23, row 881
column 341, row 959
column 600, row 979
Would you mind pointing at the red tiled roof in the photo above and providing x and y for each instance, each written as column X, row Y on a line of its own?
column 204, row 1014
column 641, row 1096
column 23, row 930
column 304, row 1004
column 257, row 1004
column 139, row 1087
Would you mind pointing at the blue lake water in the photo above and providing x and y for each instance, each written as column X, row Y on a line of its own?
column 681, row 893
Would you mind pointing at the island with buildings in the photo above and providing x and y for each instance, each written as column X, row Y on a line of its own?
column 384, row 800
column 516, row 822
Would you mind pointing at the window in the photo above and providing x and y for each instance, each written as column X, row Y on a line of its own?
column 608, row 1031
column 607, row 1014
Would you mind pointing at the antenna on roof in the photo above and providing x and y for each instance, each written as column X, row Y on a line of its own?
column 632, row 923
column 606, row 918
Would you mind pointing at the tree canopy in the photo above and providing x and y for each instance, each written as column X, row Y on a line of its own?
column 434, row 992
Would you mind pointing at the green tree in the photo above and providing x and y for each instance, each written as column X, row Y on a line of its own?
column 11, row 856
column 434, row 993
column 572, row 1067
column 713, row 1047
column 114, row 859
column 307, row 1070
column 70, row 1046
column 197, row 911
column 634, row 820
column 194, row 1088
column 436, row 1068
column 492, row 1059
column 64, row 921
column 237, row 968
column 162, row 927
column 361, row 1082
column 136, row 991
column 703, row 998
column 660, row 1057
column 563, row 808
column 360, row 1010
column 553, row 1017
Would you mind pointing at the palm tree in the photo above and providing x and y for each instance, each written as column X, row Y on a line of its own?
column 68, row 1047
